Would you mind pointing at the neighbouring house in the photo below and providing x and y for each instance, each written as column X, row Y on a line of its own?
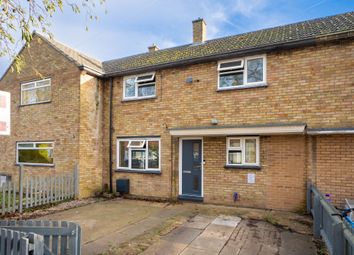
column 243, row 120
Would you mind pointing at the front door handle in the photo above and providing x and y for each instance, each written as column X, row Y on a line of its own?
column 186, row 171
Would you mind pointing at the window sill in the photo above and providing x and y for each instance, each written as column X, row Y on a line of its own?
column 133, row 171
column 250, row 86
column 138, row 99
column 242, row 167
column 36, row 165
column 24, row 105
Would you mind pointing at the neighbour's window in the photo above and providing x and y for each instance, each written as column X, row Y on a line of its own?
column 35, row 153
column 36, row 92
column 139, row 154
column 140, row 86
column 243, row 72
column 242, row 151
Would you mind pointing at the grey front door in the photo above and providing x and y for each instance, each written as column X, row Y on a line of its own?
column 192, row 167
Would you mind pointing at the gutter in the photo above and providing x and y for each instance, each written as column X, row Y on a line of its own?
column 110, row 134
column 91, row 71
column 330, row 131
column 240, row 53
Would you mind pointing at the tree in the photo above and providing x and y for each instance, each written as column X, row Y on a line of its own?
column 18, row 19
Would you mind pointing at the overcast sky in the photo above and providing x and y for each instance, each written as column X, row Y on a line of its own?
column 130, row 26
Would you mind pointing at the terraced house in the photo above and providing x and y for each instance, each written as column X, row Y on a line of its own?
column 244, row 120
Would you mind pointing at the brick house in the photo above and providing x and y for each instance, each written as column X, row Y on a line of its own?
column 243, row 120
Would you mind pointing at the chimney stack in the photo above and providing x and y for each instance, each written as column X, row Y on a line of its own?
column 199, row 30
column 153, row 48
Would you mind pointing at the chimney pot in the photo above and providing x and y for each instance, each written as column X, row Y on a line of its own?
column 153, row 48
column 199, row 30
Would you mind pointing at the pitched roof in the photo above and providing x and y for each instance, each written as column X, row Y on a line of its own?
column 261, row 39
column 80, row 59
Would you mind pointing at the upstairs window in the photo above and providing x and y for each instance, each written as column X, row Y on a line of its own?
column 35, row 153
column 139, row 154
column 239, row 73
column 36, row 92
column 242, row 151
column 140, row 86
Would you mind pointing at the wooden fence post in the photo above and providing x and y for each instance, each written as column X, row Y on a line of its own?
column 20, row 189
column 76, row 181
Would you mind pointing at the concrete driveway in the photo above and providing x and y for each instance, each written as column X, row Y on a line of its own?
column 122, row 226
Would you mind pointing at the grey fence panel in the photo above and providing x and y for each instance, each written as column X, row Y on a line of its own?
column 48, row 237
column 34, row 190
column 336, row 233
column 14, row 242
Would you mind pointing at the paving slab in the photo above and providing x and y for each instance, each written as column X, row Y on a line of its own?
column 195, row 251
column 225, row 220
column 199, row 222
column 296, row 244
column 164, row 247
column 183, row 235
column 208, row 243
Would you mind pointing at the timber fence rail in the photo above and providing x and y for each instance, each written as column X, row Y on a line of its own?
column 335, row 232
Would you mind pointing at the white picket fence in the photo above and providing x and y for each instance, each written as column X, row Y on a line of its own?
column 35, row 190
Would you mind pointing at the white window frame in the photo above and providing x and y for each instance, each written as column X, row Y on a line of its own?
column 147, row 140
column 36, row 86
column 242, row 149
column 243, row 69
column 138, row 84
column 31, row 148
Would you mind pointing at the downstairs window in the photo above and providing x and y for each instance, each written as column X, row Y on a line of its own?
column 242, row 151
column 35, row 153
column 139, row 154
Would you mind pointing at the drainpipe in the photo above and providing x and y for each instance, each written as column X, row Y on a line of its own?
column 110, row 135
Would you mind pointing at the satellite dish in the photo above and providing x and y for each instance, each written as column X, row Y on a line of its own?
column 5, row 113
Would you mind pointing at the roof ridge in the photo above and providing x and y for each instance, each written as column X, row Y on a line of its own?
column 230, row 36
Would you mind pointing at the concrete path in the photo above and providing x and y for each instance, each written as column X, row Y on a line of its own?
column 114, row 222
column 227, row 235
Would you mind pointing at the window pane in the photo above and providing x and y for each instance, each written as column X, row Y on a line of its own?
column 250, row 150
column 29, row 97
column 123, row 154
column 231, row 80
column 235, row 157
column 138, row 159
column 255, row 70
column 35, row 156
column 43, row 94
column 235, row 143
column 235, row 64
column 136, row 144
column 153, row 161
column 43, row 83
column 148, row 77
column 44, row 145
column 36, row 95
column 147, row 90
column 28, row 86
column 130, row 87
column 25, row 145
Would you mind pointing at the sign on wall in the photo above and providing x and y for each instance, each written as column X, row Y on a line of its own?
column 4, row 113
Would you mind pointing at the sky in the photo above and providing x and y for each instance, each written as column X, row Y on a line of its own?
column 128, row 27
